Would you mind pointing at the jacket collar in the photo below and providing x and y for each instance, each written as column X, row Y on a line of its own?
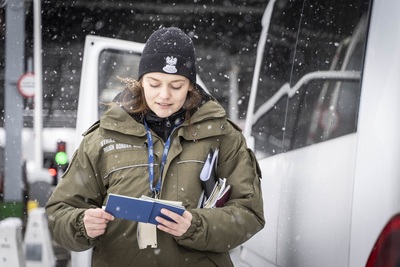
column 209, row 114
column 164, row 126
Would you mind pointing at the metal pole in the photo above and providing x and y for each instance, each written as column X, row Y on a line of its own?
column 14, row 67
column 265, row 22
column 234, row 92
column 38, row 98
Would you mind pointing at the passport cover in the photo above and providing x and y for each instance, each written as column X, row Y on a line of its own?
column 143, row 209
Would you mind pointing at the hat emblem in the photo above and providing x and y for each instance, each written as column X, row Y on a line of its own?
column 170, row 65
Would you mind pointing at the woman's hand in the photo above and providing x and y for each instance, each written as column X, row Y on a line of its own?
column 95, row 221
column 177, row 228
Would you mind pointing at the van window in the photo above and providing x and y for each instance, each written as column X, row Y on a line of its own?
column 319, row 65
column 115, row 64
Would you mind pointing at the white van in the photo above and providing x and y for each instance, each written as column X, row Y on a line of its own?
column 323, row 120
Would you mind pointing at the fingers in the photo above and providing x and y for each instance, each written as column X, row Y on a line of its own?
column 95, row 221
column 99, row 213
column 180, row 225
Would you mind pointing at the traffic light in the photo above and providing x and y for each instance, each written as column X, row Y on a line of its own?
column 52, row 169
column 61, row 156
column 58, row 162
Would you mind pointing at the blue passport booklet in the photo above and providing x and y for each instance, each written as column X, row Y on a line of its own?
column 144, row 209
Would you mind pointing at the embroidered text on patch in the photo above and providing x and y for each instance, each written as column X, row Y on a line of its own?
column 170, row 65
column 117, row 146
column 109, row 145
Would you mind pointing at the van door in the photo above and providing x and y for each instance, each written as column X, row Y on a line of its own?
column 104, row 60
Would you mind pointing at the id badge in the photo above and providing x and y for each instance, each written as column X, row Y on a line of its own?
column 146, row 235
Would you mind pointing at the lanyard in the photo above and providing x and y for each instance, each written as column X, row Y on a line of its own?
column 156, row 190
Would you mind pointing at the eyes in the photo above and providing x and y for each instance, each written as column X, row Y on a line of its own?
column 164, row 81
column 173, row 86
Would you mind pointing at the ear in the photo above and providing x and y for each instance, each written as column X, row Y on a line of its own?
column 191, row 87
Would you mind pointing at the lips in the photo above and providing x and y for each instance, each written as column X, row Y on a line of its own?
column 164, row 104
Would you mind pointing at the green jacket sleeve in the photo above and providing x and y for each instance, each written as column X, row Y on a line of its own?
column 222, row 229
column 77, row 191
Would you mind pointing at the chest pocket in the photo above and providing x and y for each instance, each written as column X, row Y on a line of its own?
column 188, row 184
column 182, row 182
column 125, row 169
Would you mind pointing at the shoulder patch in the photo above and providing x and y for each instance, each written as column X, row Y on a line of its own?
column 92, row 128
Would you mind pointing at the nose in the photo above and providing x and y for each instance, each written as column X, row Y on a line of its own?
column 164, row 92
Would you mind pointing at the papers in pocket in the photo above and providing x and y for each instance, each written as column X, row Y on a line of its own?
column 215, row 191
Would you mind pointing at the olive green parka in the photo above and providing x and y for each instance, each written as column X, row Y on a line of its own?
column 113, row 158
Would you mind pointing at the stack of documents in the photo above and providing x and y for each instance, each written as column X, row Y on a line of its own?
column 219, row 196
column 215, row 191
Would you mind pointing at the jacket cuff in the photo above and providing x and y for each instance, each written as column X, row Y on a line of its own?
column 81, row 226
column 196, row 223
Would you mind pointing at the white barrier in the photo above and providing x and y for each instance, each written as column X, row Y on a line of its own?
column 11, row 253
column 81, row 259
column 39, row 250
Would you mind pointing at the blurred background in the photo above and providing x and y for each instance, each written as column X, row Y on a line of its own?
column 225, row 34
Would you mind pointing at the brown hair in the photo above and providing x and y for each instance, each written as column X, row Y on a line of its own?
column 133, row 100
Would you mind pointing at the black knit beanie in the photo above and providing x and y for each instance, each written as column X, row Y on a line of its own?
column 170, row 51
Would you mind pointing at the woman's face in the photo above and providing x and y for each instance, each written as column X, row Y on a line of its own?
column 165, row 94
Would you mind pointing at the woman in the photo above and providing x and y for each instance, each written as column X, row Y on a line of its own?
column 124, row 154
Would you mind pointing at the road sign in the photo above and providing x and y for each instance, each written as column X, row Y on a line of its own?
column 26, row 85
